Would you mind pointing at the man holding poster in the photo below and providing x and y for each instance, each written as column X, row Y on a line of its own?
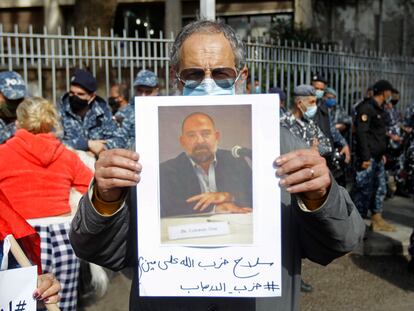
column 319, row 220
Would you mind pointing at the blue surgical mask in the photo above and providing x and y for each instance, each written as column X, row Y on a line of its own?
column 330, row 102
column 310, row 112
column 208, row 87
column 319, row 94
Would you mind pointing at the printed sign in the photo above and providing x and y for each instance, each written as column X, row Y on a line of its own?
column 16, row 288
column 208, row 201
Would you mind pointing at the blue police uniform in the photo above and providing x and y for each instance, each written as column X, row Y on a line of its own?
column 125, row 117
column 13, row 88
column 97, row 124
column 371, row 146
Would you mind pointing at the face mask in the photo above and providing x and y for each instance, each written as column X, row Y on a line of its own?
column 77, row 104
column 330, row 102
column 208, row 87
column 8, row 109
column 112, row 102
column 310, row 112
column 394, row 101
column 319, row 94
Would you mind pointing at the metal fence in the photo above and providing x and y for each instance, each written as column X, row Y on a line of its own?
column 46, row 62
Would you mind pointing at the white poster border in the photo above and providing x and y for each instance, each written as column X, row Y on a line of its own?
column 252, row 270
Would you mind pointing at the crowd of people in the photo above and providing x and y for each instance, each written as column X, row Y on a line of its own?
column 45, row 143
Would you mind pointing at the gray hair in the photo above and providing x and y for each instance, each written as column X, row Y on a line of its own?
column 209, row 27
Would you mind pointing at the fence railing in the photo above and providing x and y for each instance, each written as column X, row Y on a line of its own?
column 46, row 62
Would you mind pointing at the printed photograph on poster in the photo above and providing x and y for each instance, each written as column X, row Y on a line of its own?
column 200, row 233
column 205, row 174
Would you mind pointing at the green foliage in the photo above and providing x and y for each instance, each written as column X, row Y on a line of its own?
column 285, row 30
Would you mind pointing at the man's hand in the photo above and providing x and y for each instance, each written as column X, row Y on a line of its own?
column 115, row 170
column 304, row 172
column 345, row 150
column 205, row 199
column 230, row 207
column 340, row 127
column 48, row 288
column 395, row 138
column 365, row 164
column 96, row 146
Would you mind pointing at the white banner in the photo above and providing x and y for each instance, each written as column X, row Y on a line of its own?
column 16, row 288
column 208, row 201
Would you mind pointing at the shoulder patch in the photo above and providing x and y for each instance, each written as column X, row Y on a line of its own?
column 364, row 117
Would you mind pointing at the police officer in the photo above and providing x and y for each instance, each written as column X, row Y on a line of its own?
column 86, row 118
column 118, row 101
column 145, row 84
column 339, row 121
column 394, row 155
column 12, row 93
column 324, row 120
column 371, row 143
column 299, row 120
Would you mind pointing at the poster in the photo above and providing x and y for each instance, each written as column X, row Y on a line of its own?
column 16, row 288
column 208, row 200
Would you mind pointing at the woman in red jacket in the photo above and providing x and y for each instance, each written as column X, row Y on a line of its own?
column 37, row 173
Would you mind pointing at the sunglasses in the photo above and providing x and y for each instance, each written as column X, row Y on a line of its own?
column 224, row 77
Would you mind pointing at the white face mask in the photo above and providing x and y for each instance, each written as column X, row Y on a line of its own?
column 319, row 94
column 310, row 112
column 208, row 87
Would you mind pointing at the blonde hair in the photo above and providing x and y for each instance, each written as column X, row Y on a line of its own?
column 38, row 115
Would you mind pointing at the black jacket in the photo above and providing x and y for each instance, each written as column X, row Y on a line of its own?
column 322, row 120
column 178, row 182
column 371, row 130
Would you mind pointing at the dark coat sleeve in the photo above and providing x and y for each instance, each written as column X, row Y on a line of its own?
column 106, row 241
column 331, row 231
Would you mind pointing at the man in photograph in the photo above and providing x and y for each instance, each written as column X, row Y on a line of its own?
column 203, row 178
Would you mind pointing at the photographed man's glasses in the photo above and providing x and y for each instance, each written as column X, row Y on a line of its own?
column 224, row 77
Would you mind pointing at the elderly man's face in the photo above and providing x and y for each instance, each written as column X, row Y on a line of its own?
column 307, row 102
column 199, row 138
column 208, row 51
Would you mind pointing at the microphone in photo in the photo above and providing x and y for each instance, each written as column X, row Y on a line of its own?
column 238, row 151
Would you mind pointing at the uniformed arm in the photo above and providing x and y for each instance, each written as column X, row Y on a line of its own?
column 6, row 131
column 72, row 139
column 72, row 132
column 128, row 125
column 115, row 136
column 409, row 117
column 336, row 135
column 324, row 144
column 363, row 120
column 343, row 117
